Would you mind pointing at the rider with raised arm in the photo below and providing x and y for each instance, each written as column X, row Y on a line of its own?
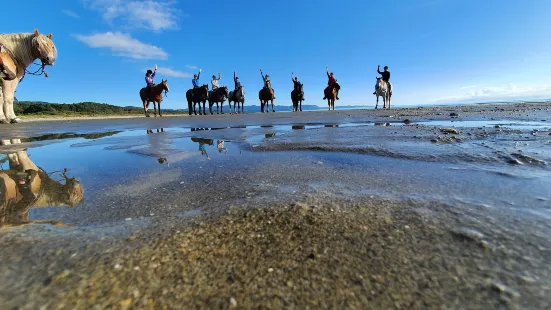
column 267, row 82
column 195, row 80
column 296, row 83
column 385, row 76
column 149, row 76
column 236, row 82
column 215, row 81
column 332, row 82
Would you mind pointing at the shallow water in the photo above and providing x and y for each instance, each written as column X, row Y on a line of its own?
column 121, row 172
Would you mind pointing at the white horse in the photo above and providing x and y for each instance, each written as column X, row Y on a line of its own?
column 23, row 49
column 382, row 89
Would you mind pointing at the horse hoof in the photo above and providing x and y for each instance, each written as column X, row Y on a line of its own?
column 3, row 121
column 15, row 120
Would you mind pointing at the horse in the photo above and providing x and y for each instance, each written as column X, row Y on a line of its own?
column 23, row 49
column 382, row 90
column 155, row 95
column 237, row 96
column 218, row 95
column 265, row 95
column 331, row 95
column 197, row 95
column 24, row 186
column 297, row 96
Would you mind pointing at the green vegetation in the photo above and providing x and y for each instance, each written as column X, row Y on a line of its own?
column 36, row 108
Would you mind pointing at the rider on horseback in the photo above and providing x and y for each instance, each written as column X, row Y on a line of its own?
column 385, row 75
column 215, row 81
column 332, row 83
column 149, row 76
column 296, row 83
column 267, row 83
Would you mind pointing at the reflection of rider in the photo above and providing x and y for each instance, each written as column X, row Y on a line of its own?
column 296, row 83
column 332, row 83
column 267, row 82
column 385, row 76
column 221, row 148
column 203, row 150
column 149, row 76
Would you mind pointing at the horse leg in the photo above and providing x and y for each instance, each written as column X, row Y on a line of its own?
column 377, row 104
column 204, row 108
column 8, row 89
column 262, row 106
column 273, row 109
column 389, row 95
column 221, row 107
column 210, row 108
column 2, row 115
column 160, row 114
column 144, row 108
column 300, row 102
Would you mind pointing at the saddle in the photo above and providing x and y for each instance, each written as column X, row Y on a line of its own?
column 8, row 69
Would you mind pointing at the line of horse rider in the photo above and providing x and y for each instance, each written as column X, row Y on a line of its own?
column 201, row 93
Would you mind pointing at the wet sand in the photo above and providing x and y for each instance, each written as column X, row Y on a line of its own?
column 306, row 216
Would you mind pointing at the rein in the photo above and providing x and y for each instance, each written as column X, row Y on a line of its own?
column 20, row 63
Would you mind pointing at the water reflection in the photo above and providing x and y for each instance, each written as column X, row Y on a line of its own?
column 202, row 142
column 23, row 185
column 297, row 127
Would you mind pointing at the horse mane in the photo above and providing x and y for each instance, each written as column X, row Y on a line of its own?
column 20, row 44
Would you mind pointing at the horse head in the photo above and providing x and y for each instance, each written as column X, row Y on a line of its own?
column 224, row 91
column 44, row 48
column 164, row 86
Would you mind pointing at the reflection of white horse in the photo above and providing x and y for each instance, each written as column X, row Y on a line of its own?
column 383, row 90
column 23, row 49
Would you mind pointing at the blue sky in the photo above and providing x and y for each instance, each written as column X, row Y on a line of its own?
column 438, row 51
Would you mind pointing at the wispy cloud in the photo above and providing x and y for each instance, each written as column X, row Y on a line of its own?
column 468, row 87
column 173, row 73
column 497, row 93
column 144, row 14
column 123, row 45
column 71, row 13
column 192, row 67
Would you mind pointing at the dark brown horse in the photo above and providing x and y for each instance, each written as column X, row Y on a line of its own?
column 297, row 96
column 331, row 95
column 217, row 96
column 265, row 95
column 154, row 95
column 197, row 96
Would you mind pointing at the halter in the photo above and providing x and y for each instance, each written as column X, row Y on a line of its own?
column 20, row 63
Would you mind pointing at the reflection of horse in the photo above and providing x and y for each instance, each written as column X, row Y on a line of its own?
column 382, row 89
column 154, row 95
column 197, row 95
column 23, row 49
column 218, row 95
column 265, row 95
column 24, row 186
column 297, row 96
column 237, row 96
column 331, row 94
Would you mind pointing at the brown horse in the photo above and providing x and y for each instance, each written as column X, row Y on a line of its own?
column 331, row 94
column 265, row 95
column 297, row 96
column 155, row 95
column 218, row 96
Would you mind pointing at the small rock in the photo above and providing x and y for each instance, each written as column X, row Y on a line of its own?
column 128, row 219
column 497, row 126
column 502, row 288
column 434, row 141
column 449, row 131
column 407, row 121
column 407, row 227
column 118, row 266
column 270, row 269
column 233, row 303
column 453, row 114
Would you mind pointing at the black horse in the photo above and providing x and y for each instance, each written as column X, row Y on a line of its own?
column 218, row 95
column 297, row 96
column 197, row 95
column 266, row 96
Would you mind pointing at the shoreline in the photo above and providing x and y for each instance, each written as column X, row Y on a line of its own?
column 428, row 108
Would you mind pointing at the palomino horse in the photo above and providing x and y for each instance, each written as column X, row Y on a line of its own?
column 197, row 96
column 297, row 96
column 237, row 96
column 24, row 186
column 217, row 96
column 265, row 95
column 331, row 95
column 382, row 90
column 23, row 49
column 155, row 95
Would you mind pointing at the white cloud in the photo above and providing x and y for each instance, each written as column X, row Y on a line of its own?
column 192, row 67
column 468, row 87
column 173, row 73
column 71, row 13
column 145, row 14
column 123, row 45
column 498, row 93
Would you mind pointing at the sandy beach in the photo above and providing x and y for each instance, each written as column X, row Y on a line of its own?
column 417, row 208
